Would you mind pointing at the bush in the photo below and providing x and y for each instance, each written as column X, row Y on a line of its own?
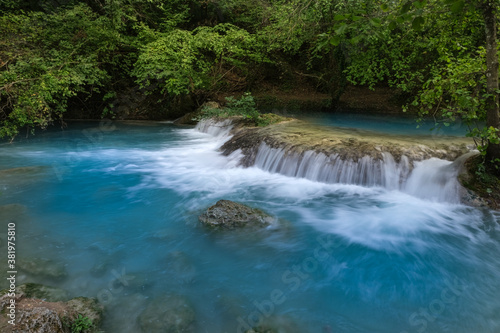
column 243, row 107
column 81, row 324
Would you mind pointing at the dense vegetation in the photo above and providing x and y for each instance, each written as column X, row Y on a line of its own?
column 439, row 56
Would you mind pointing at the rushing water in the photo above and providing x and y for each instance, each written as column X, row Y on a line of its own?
column 117, row 206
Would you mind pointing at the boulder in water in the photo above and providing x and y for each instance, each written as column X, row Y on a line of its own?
column 169, row 314
column 226, row 214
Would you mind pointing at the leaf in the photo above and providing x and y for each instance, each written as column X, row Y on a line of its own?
column 406, row 7
column 341, row 29
column 376, row 22
column 417, row 23
column 457, row 6
column 335, row 40
column 339, row 17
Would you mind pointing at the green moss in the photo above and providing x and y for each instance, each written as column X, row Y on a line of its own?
column 269, row 119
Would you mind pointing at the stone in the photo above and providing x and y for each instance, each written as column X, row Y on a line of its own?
column 227, row 214
column 168, row 314
column 297, row 137
column 191, row 117
column 35, row 315
column 87, row 307
column 276, row 324
column 41, row 267
column 21, row 176
column 46, row 293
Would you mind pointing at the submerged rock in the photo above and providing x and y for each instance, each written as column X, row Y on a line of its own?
column 42, row 267
column 53, row 316
column 169, row 314
column 21, row 176
column 276, row 324
column 227, row 214
column 46, row 293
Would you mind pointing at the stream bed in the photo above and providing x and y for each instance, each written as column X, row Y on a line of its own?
column 115, row 207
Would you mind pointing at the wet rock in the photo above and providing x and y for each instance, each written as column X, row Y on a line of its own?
column 87, row 307
column 169, row 314
column 11, row 212
column 23, row 171
column 41, row 267
column 137, row 281
column 35, row 315
column 227, row 214
column 191, row 118
column 298, row 137
column 478, row 189
column 276, row 324
column 188, row 119
column 122, row 315
column 46, row 293
column 21, row 176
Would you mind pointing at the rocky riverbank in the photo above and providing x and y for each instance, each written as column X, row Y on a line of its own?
column 44, row 309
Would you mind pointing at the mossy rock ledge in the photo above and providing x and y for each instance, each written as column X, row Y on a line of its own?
column 298, row 137
column 226, row 214
column 41, row 309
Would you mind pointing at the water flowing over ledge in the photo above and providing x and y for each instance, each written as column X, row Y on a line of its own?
column 423, row 167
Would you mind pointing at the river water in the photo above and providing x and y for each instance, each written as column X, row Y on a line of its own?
column 116, row 206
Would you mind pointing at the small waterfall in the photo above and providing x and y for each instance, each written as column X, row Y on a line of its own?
column 219, row 129
column 432, row 179
column 319, row 167
column 436, row 179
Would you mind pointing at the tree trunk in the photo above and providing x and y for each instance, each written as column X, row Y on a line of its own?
column 492, row 103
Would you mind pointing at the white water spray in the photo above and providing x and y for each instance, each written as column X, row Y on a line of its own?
column 433, row 179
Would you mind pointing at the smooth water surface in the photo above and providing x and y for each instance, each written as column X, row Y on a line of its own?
column 399, row 125
column 117, row 206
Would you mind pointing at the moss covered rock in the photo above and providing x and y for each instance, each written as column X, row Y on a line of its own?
column 227, row 214
column 168, row 314
column 41, row 267
column 48, row 314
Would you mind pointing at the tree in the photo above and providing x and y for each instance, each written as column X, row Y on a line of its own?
column 443, row 52
column 48, row 59
column 489, row 9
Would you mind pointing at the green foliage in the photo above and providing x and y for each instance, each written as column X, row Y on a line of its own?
column 81, row 324
column 183, row 62
column 48, row 60
column 456, row 89
column 243, row 107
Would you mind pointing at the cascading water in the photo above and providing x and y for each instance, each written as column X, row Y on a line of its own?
column 432, row 179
